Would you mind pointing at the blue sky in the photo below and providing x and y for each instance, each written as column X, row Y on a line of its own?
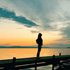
column 50, row 17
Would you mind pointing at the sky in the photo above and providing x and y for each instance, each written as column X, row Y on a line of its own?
column 22, row 20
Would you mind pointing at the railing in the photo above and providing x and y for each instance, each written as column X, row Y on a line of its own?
column 16, row 64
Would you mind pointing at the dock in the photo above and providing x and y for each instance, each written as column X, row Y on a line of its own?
column 62, row 61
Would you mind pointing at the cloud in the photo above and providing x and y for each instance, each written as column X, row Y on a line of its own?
column 34, row 31
column 45, row 13
column 58, row 45
column 37, row 11
column 11, row 15
column 49, row 14
column 66, row 33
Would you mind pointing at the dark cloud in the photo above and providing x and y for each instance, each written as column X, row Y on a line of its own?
column 11, row 15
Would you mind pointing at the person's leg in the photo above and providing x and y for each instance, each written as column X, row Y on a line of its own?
column 38, row 53
column 39, row 49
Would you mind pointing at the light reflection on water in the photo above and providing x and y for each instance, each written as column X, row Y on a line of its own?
column 9, row 53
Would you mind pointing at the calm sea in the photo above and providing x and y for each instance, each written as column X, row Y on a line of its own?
column 9, row 53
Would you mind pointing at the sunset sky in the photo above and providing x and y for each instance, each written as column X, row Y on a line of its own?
column 22, row 20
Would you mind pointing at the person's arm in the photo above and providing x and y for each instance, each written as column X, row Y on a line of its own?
column 37, row 41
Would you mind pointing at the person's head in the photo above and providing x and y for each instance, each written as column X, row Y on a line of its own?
column 39, row 35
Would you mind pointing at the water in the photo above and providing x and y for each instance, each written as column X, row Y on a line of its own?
column 9, row 53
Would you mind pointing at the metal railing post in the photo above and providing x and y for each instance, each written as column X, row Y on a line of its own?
column 35, row 66
column 14, row 60
column 59, row 61
column 53, row 62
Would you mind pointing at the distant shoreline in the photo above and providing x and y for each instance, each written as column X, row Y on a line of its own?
column 32, row 47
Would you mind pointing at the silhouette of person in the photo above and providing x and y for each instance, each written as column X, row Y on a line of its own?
column 39, row 41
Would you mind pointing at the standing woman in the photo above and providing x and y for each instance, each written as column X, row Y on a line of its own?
column 39, row 41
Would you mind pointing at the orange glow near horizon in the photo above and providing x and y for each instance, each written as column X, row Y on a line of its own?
column 12, row 35
column 28, row 40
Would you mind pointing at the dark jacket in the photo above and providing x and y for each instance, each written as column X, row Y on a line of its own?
column 39, row 41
